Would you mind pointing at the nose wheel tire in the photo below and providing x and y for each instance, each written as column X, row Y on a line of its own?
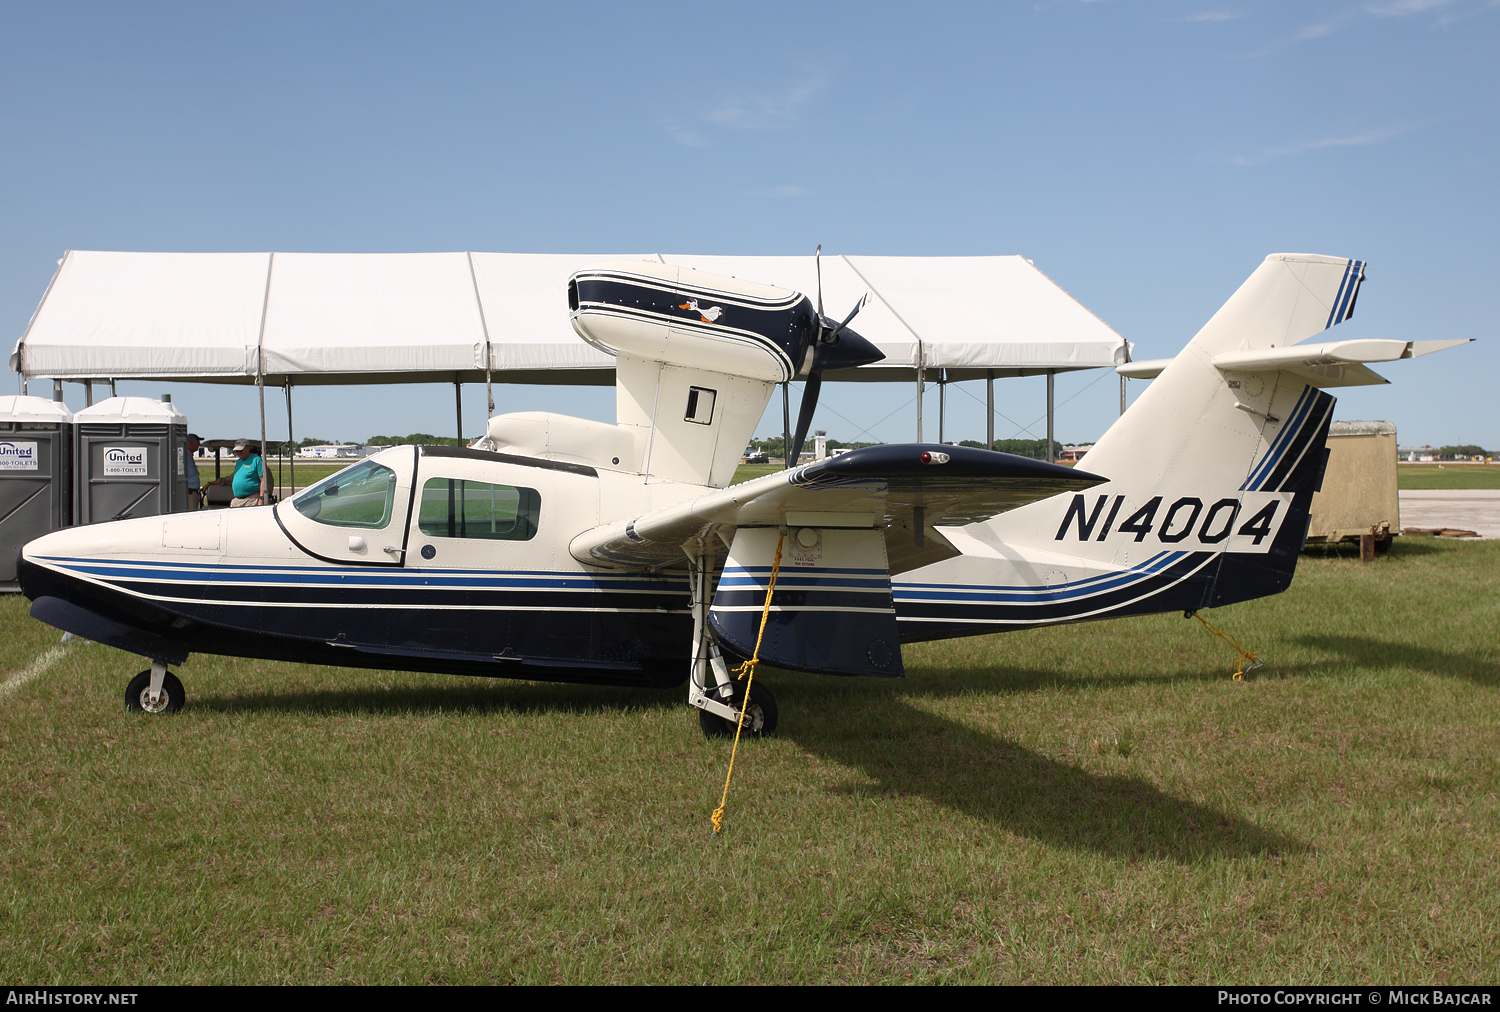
column 138, row 694
column 760, row 714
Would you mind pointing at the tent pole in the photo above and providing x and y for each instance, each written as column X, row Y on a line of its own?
column 291, row 460
column 489, row 353
column 88, row 393
column 942, row 404
column 1125, row 347
column 458, row 405
column 1051, row 454
column 489, row 389
column 260, row 386
column 112, row 391
column 921, row 389
column 786, row 424
column 989, row 410
column 260, row 375
column 57, row 390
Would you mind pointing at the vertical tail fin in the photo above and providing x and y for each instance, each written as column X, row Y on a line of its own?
column 1212, row 473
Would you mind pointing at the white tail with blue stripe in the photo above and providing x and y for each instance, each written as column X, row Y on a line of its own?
column 1211, row 473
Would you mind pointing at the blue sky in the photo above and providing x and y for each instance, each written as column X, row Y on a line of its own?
column 1145, row 155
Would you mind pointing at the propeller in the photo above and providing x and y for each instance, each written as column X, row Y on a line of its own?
column 824, row 342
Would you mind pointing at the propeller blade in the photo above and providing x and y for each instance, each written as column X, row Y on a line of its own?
column 805, row 415
column 818, row 266
column 834, row 336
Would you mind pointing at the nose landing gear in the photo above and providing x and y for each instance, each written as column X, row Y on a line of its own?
column 155, row 690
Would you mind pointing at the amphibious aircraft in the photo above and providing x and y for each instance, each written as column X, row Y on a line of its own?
column 577, row 551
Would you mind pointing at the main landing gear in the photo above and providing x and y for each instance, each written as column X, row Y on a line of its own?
column 719, row 707
column 155, row 690
column 711, row 690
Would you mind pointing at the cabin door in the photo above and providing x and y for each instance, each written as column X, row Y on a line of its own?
column 356, row 517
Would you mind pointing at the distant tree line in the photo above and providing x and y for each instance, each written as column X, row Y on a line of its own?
column 1466, row 451
column 1034, row 448
column 776, row 446
column 423, row 438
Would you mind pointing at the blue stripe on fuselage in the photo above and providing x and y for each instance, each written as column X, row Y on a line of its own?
column 1283, row 439
column 1040, row 595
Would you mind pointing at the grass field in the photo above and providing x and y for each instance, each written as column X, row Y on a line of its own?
column 1092, row 803
column 1425, row 476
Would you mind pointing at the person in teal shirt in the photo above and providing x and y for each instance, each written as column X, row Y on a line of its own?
column 248, row 477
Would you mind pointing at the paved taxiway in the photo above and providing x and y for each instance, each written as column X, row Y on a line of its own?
column 1470, row 509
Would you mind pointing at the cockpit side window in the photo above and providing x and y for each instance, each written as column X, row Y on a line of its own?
column 456, row 508
column 360, row 496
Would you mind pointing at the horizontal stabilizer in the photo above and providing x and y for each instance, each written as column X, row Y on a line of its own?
column 1333, row 363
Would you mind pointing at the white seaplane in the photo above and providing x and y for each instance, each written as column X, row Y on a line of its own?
column 570, row 550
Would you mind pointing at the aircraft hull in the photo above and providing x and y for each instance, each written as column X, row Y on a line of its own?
column 605, row 631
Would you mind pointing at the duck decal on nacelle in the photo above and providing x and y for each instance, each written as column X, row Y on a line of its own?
column 709, row 315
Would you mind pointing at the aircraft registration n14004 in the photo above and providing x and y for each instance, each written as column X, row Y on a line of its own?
column 570, row 550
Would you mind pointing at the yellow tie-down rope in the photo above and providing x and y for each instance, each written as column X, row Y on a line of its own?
column 1240, row 668
column 747, row 672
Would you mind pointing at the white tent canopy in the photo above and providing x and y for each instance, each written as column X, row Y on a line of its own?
column 400, row 317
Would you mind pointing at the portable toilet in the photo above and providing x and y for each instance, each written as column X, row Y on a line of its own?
column 36, row 476
column 132, row 459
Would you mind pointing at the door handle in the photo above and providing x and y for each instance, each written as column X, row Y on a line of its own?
column 392, row 550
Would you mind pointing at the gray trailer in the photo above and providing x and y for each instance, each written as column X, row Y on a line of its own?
column 132, row 459
column 36, row 476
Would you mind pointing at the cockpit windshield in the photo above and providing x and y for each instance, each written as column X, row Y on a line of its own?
column 359, row 496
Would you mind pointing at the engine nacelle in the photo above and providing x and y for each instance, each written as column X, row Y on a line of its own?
column 682, row 317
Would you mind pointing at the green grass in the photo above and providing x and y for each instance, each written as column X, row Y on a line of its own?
column 1423, row 476
column 747, row 471
column 1094, row 803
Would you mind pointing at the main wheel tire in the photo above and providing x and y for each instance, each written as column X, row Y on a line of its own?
column 138, row 699
column 760, row 715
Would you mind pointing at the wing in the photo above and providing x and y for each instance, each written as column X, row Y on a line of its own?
column 908, row 490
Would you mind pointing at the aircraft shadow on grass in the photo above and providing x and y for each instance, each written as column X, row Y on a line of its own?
column 1368, row 652
column 909, row 751
column 904, row 749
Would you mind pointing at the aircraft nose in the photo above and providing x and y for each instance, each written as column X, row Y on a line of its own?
column 849, row 351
